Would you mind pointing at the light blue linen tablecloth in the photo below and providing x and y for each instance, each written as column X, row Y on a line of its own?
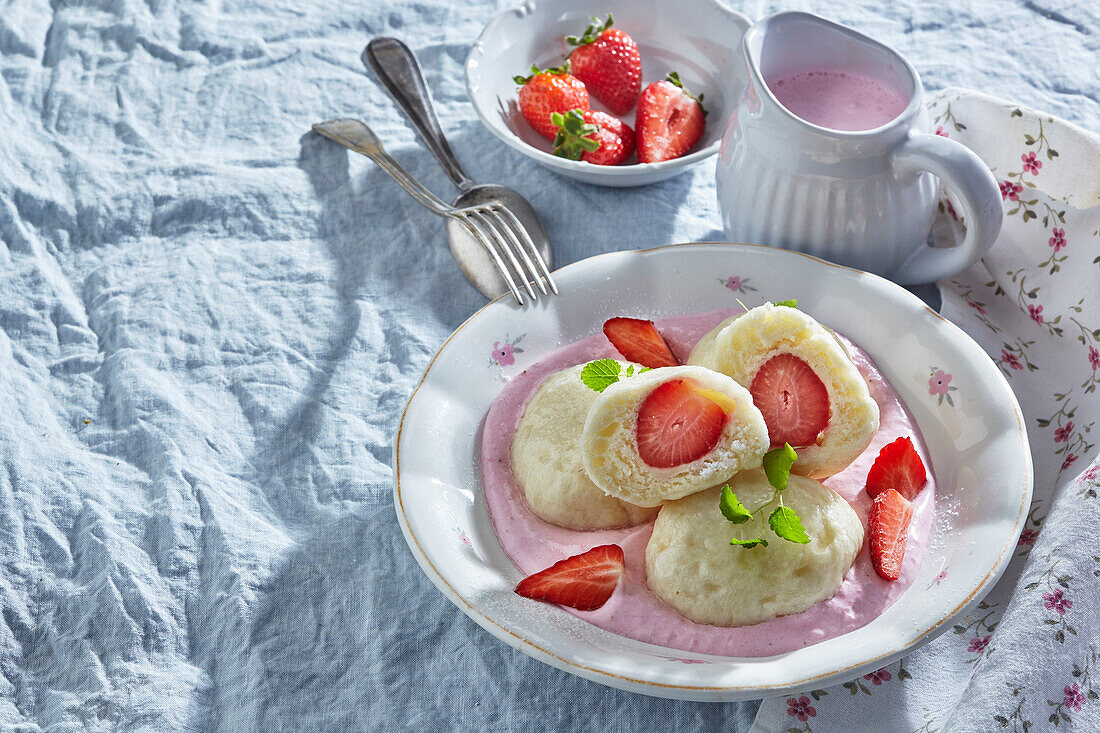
column 210, row 321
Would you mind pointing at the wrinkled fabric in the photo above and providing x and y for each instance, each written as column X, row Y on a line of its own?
column 210, row 320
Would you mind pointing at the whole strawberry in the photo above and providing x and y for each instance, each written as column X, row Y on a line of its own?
column 608, row 62
column 670, row 120
column 546, row 92
column 594, row 137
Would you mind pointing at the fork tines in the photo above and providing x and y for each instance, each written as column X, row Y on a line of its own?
column 510, row 246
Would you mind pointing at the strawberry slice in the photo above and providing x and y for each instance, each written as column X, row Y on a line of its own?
column 792, row 399
column 888, row 524
column 897, row 467
column 677, row 424
column 669, row 120
column 583, row 582
column 638, row 341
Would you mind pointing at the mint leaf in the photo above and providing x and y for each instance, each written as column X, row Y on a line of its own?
column 777, row 465
column 731, row 508
column 749, row 544
column 792, row 303
column 784, row 522
column 601, row 374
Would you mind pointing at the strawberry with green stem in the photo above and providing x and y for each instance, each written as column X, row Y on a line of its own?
column 545, row 92
column 607, row 60
column 594, row 137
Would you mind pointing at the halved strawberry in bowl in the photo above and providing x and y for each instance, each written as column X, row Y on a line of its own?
column 793, row 400
column 669, row 121
column 898, row 467
column 639, row 341
column 678, row 423
column 888, row 528
column 584, row 582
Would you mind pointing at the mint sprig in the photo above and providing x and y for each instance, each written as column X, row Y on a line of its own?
column 731, row 508
column 600, row 374
column 783, row 520
column 792, row 303
column 777, row 465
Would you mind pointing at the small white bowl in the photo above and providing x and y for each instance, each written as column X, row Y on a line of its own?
column 700, row 39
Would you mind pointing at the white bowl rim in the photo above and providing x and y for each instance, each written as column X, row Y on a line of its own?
column 576, row 166
column 708, row 692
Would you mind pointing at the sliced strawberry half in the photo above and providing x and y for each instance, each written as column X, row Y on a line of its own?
column 678, row 424
column 669, row 120
column 792, row 399
column 888, row 525
column 583, row 582
column 897, row 467
column 639, row 341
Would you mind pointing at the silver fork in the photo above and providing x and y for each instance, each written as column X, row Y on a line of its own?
column 491, row 223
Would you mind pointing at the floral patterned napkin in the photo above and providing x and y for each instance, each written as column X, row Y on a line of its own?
column 1029, row 655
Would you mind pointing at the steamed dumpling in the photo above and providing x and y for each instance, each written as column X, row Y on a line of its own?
column 547, row 465
column 805, row 384
column 670, row 432
column 691, row 566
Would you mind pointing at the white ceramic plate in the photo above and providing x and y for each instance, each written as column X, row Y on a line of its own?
column 700, row 39
column 977, row 443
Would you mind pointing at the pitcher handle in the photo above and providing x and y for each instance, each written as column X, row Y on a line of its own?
column 961, row 170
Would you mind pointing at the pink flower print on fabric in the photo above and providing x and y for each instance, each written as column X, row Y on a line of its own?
column 1057, row 601
column 1058, row 238
column 940, row 131
column 1011, row 360
column 1073, row 697
column 1094, row 358
column 879, row 677
column 1063, row 433
column 1010, row 190
column 1031, row 163
column 1036, row 313
column 1027, row 537
column 1070, row 458
column 801, row 708
column 978, row 643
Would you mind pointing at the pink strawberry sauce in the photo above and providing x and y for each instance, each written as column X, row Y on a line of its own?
column 635, row 612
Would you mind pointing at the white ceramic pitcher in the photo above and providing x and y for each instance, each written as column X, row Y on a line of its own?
column 865, row 198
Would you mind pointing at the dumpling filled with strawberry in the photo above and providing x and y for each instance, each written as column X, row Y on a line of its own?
column 546, row 460
column 803, row 381
column 669, row 432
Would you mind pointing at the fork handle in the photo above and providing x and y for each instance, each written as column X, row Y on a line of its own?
column 396, row 67
column 355, row 135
